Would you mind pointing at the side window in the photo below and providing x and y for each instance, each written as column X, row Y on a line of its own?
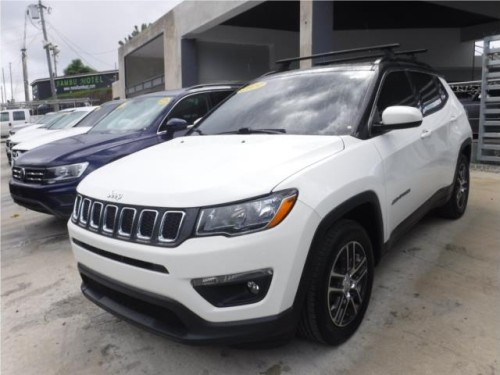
column 4, row 116
column 190, row 108
column 19, row 116
column 218, row 96
column 428, row 91
column 396, row 90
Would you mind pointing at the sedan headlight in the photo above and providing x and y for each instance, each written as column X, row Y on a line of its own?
column 246, row 217
column 64, row 172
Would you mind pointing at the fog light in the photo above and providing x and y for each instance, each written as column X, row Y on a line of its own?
column 253, row 287
column 234, row 289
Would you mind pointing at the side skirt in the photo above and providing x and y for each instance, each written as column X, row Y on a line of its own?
column 437, row 200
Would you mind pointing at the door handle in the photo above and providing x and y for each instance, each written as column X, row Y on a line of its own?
column 425, row 133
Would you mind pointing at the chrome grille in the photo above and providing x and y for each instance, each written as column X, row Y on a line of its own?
column 76, row 209
column 126, row 221
column 147, row 222
column 141, row 224
column 110, row 213
column 95, row 217
column 33, row 175
column 170, row 226
column 85, row 211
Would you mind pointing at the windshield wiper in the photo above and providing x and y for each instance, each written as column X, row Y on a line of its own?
column 255, row 131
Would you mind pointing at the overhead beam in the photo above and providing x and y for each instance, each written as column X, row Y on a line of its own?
column 479, row 31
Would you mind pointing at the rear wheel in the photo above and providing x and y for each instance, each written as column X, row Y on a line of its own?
column 456, row 205
column 341, row 285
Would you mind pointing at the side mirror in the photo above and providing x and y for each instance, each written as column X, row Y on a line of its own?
column 174, row 125
column 399, row 117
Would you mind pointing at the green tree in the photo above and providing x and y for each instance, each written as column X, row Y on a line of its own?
column 135, row 32
column 77, row 67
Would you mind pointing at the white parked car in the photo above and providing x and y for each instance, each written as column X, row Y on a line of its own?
column 270, row 217
column 81, row 127
column 67, row 119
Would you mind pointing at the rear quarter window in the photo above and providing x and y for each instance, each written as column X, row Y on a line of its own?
column 431, row 93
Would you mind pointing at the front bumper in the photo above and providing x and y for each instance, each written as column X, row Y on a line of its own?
column 283, row 249
column 54, row 200
column 164, row 316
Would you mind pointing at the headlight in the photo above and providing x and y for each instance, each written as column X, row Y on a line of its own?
column 246, row 217
column 64, row 172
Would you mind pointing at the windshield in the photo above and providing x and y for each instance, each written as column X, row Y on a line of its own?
column 4, row 116
column 133, row 115
column 68, row 120
column 53, row 119
column 316, row 102
column 44, row 118
column 97, row 115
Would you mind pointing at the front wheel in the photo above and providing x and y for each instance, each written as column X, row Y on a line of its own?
column 456, row 205
column 341, row 285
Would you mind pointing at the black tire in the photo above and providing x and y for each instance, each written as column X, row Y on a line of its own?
column 330, row 294
column 456, row 205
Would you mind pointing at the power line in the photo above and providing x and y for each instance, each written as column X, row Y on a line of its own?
column 73, row 46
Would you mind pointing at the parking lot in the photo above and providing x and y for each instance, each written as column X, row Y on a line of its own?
column 434, row 308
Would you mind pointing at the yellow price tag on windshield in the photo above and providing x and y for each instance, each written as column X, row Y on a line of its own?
column 164, row 101
column 121, row 106
column 253, row 86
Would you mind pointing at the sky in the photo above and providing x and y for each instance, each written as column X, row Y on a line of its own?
column 88, row 30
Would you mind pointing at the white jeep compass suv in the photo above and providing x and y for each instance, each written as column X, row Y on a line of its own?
column 268, row 219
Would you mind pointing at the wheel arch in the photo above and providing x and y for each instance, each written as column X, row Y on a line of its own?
column 363, row 208
column 466, row 149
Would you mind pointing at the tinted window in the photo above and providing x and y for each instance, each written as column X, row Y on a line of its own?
column 190, row 108
column 19, row 116
column 218, row 96
column 427, row 91
column 4, row 116
column 320, row 102
column 134, row 115
column 396, row 90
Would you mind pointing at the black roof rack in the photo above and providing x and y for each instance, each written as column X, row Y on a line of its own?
column 386, row 48
column 410, row 53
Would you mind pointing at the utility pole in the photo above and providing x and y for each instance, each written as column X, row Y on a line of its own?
column 55, row 53
column 23, row 58
column 11, row 89
column 1, row 91
column 46, row 45
column 4, row 89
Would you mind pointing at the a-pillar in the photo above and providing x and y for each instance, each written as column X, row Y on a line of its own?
column 316, row 28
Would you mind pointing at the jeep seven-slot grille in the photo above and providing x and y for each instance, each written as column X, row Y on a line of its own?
column 30, row 175
column 155, row 226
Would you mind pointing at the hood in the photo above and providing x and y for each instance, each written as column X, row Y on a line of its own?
column 51, row 137
column 97, row 148
column 26, row 136
column 207, row 170
column 24, row 128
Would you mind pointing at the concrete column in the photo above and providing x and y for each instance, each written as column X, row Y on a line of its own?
column 121, row 73
column 172, row 51
column 316, row 25
column 189, row 62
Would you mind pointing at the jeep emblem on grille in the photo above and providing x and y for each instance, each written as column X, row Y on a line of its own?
column 114, row 195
